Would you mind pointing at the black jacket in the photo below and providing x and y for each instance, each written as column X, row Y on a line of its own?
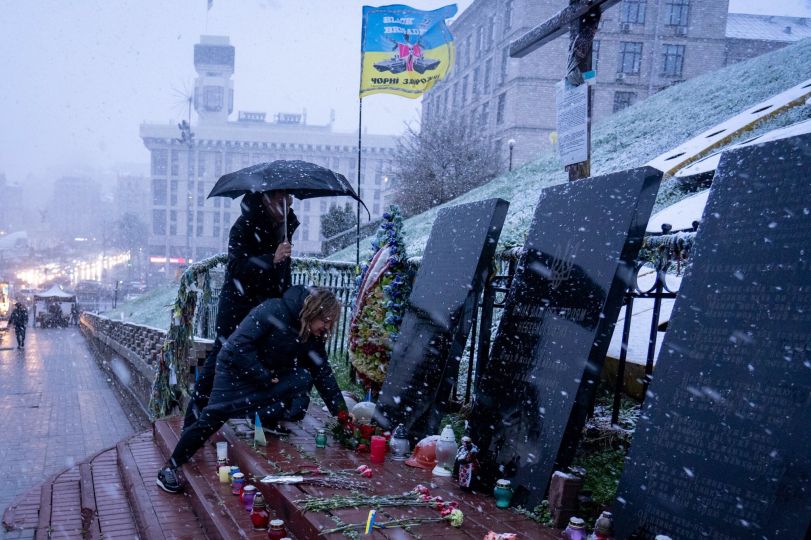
column 266, row 345
column 19, row 317
column 251, row 275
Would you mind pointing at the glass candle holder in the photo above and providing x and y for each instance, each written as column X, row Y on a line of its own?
column 378, row 449
column 222, row 451
column 237, row 483
column 503, row 493
column 276, row 530
column 247, row 497
column 223, row 473
column 321, row 439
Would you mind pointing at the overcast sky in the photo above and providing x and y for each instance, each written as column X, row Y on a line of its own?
column 79, row 77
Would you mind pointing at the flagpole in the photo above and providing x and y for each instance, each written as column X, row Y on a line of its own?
column 360, row 145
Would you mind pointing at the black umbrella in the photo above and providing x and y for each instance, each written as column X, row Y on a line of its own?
column 302, row 179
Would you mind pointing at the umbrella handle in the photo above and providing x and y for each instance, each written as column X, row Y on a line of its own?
column 285, row 218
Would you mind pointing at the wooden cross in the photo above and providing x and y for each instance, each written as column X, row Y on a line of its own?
column 580, row 18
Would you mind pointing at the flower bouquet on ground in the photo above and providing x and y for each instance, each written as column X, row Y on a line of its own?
column 383, row 287
column 420, row 496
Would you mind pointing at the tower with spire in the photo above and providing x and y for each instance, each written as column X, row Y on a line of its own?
column 213, row 87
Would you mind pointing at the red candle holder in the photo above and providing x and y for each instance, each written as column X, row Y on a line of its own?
column 378, row 449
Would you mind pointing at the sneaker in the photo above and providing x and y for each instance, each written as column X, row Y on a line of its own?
column 169, row 481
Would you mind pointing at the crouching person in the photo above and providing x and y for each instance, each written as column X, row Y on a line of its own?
column 268, row 366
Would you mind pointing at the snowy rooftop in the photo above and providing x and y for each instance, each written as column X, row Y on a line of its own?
column 767, row 28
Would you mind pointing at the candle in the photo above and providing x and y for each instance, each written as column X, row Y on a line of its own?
column 378, row 449
column 223, row 474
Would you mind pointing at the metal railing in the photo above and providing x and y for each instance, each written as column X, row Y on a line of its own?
column 664, row 253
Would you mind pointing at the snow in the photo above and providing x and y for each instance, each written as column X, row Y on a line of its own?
column 631, row 138
column 681, row 214
column 151, row 309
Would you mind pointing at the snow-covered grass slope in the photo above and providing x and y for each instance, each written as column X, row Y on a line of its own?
column 632, row 137
column 152, row 308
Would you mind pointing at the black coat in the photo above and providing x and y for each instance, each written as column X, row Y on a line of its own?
column 251, row 275
column 19, row 317
column 266, row 345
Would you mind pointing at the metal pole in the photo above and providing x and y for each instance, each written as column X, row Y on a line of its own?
column 360, row 144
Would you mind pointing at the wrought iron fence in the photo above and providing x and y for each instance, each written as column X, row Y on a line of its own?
column 661, row 254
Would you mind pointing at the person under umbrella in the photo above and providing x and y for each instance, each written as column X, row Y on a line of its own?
column 259, row 268
column 267, row 367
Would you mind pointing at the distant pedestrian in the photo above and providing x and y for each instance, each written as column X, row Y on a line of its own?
column 267, row 367
column 259, row 268
column 19, row 319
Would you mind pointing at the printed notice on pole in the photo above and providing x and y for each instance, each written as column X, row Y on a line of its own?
column 572, row 109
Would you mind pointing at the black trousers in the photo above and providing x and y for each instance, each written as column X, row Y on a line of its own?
column 229, row 315
column 286, row 400
column 19, row 333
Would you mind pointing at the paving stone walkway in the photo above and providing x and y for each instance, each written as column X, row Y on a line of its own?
column 56, row 407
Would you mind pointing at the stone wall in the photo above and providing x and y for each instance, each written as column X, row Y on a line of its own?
column 129, row 354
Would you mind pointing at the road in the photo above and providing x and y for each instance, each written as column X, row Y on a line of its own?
column 56, row 408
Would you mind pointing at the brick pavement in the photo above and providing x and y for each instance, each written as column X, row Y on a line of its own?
column 56, row 408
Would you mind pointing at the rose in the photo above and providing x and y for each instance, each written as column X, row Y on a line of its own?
column 445, row 512
column 422, row 490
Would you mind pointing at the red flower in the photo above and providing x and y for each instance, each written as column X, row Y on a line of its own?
column 440, row 506
column 425, row 498
column 367, row 431
column 422, row 490
column 453, row 505
column 367, row 473
column 343, row 417
column 445, row 512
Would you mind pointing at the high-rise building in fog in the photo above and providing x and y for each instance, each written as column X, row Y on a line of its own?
column 76, row 209
column 12, row 209
column 641, row 47
column 183, row 223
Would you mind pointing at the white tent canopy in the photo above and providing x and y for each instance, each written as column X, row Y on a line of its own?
column 55, row 293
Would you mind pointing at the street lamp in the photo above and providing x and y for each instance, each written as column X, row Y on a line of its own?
column 511, row 144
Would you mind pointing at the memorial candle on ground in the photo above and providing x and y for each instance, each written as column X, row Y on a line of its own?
column 378, row 449
column 224, row 474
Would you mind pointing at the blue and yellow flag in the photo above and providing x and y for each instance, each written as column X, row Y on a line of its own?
column 405, row 51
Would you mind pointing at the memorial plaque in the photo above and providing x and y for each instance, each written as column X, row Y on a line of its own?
column 425, row 360
column 533, row 395
column 723, row 447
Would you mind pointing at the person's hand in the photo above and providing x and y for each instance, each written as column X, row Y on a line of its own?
column 283, row 252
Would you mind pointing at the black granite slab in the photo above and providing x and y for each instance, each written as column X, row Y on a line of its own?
column 425, row 360
column 723, row 449
column 533, row 396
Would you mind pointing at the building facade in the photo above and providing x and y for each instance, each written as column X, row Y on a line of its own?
column 184, row 224
column 641, row 47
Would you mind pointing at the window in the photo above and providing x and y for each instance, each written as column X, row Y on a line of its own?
column 159, row 222
column 508, row 16
column 160, row 160
column 632, row 12
column 672, row 60
column 630, row 58
column 677, row 12
column 623, row 100
column 456, row 94
column 476, row 79
column 173, row 193
column 213, row 98
column 464, row 90
column 505, row 64
column 201, row 193
column 488, row 67
column 480, row 39
column 218, row 164
column 229, row 162
column 201, row 164
column 595, row 54
column 491, row 31
column 175, row 162
column 468, row 47
column 484, row 117
column 226, row 203
column 216, row 229
column 158, row 191
column 501, row 106
column 200, row 223
column 217, row 202
column 173, row 222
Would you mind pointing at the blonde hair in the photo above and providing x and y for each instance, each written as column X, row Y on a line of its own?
column 322, row 304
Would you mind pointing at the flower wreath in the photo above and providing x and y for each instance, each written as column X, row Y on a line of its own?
column 382, row 289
